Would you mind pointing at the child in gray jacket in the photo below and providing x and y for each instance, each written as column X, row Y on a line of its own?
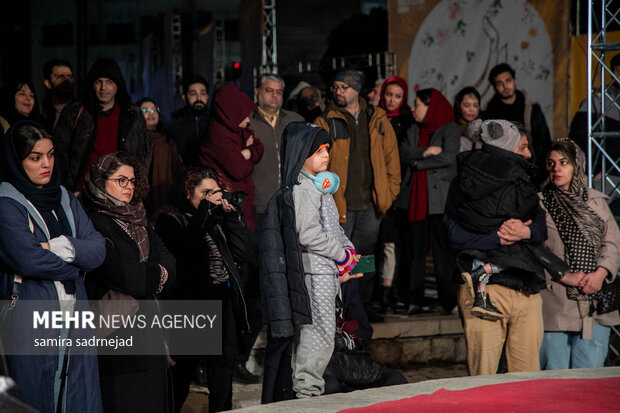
column 328, row 256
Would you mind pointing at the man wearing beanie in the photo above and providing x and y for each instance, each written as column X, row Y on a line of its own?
column 495, row 221
column 103, row 122
column 365, row 156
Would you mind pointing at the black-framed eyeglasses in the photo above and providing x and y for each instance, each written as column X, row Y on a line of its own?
column 343, row 88
column 150, row 110
column 123, row 181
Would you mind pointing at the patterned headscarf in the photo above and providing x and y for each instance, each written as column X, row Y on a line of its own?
column 130, row 216
column 580, row 228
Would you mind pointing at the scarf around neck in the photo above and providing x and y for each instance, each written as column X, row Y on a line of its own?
column 580, row 228
column 131, row 217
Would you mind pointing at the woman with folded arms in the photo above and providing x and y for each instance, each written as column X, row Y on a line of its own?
column 46, row 239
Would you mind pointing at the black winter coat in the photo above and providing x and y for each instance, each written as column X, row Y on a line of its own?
column 123, row 271
column 74, row 138
column 183, row 234
column 492, row 186
column 187, row 129
column 285, row 297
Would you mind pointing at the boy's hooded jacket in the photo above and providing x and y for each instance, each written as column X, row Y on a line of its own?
column 225, row 140
column 286, row 298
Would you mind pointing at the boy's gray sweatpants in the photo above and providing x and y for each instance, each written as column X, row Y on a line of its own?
column 314, row 343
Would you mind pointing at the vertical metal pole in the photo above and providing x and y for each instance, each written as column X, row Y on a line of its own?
column 603, row 140
column 590, row 95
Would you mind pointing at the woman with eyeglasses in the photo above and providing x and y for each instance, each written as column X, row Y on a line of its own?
column 166, row 163
column 212, row 248
column 46, row 239
column 137, row 264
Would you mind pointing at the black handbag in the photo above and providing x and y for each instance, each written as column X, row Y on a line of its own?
column 608, row 297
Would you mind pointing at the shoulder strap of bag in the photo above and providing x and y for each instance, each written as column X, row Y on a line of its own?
column 17, row 279
column 78, row 116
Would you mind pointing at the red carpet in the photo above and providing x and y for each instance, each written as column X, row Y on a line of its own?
column 557, row 395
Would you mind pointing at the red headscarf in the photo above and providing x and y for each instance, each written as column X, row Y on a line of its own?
column 403, row 108
column 439, row 113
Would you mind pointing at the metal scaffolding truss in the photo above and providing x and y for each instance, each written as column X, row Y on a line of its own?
column 219, row 52
column 599, row 104
column 269, row 61
column 383, row 62
column 177, row 53
column 599, row 160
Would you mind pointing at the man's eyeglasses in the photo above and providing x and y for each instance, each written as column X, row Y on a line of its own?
column 340, row 88
column 123, row 181
column 150, row 110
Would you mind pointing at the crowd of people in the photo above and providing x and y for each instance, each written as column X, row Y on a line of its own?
column 270, row 210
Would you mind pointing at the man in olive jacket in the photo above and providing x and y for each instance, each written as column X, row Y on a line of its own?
column 365, row 157
column 268, row 122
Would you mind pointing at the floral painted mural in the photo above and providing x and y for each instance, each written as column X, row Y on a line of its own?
column 461, row 40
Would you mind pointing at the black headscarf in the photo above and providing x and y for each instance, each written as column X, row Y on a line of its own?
column 46, row 198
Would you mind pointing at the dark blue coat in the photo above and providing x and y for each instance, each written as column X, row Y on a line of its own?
column 21, row 253
column 285, row 296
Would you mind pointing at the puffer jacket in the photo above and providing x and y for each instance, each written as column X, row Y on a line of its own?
column 492, row 185
column 286, row 301
column 384, row 157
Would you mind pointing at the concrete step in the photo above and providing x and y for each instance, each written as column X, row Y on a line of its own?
column 402, row 341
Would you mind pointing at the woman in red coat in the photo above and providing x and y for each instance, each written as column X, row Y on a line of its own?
column 230, row 147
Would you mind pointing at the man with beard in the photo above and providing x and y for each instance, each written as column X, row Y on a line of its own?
column 58, row 81
column 103, row 122
column 365, row 157
column 508, row 103
column 189, row 124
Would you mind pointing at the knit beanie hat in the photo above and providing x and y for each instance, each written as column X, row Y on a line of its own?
column 353, row 78
column 321, row 138
column 107, row 68
column 496, row 132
